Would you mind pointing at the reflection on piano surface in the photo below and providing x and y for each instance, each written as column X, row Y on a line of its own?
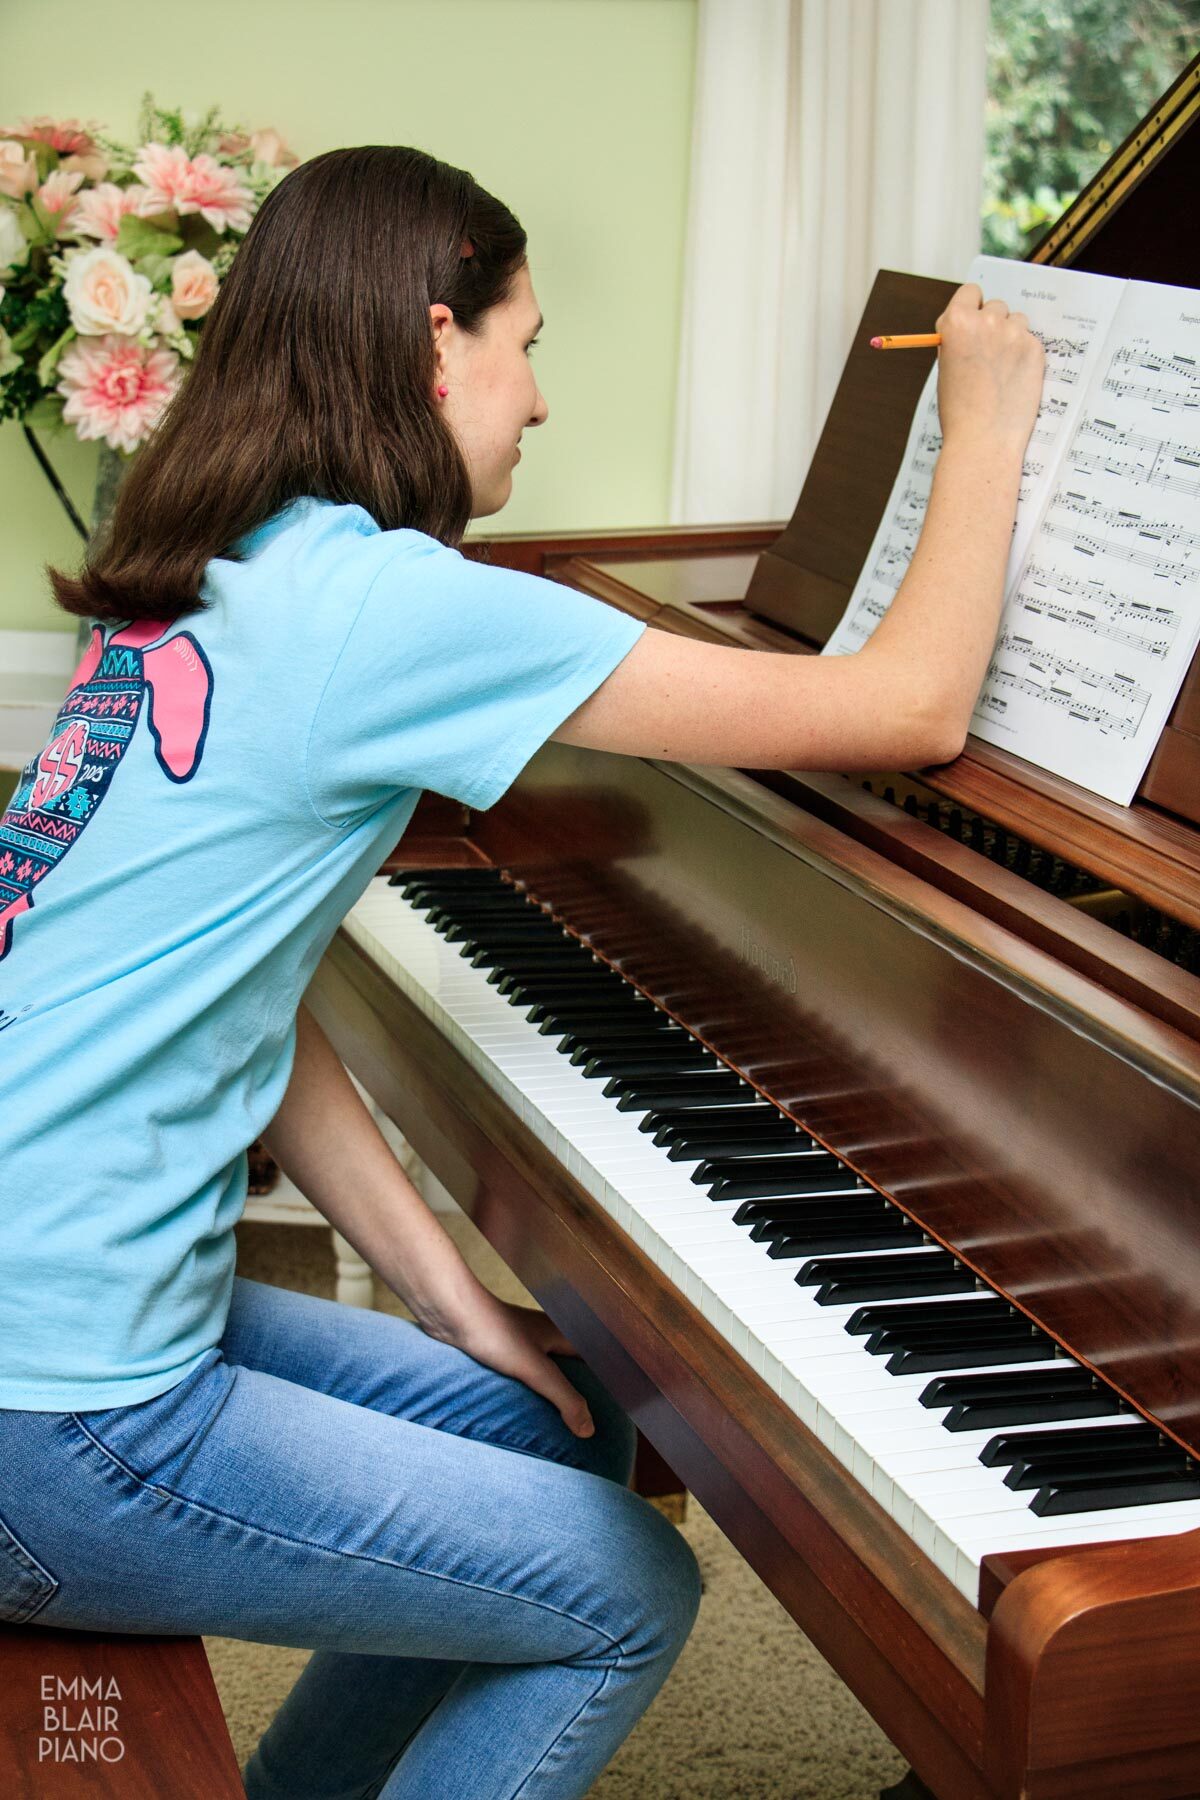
column 851, row 1130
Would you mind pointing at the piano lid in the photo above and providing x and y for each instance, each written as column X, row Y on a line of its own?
column 1127, row 220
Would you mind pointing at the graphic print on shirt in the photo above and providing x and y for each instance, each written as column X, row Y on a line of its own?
column 61, row 787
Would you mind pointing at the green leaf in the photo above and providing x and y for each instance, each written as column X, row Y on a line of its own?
column 200, row 235
column 49, row 362
column 33, row 220
column 157, row 270
column 27, row 335
column 139, row 237
column 46, row 413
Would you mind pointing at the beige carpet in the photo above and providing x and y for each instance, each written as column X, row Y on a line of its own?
column 750, row 1712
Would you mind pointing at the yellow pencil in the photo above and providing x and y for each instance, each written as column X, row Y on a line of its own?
column 923, row 340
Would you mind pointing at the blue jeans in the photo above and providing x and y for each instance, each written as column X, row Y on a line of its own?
column 490, row 1608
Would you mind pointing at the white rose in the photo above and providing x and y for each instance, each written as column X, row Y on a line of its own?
column 14, row 245
column 103, row 293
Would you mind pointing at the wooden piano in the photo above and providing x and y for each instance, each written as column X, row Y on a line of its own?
column 953, row 1018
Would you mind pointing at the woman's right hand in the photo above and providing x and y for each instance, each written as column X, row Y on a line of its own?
column 990, row 370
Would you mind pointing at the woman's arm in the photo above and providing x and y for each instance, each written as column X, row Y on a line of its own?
column 906, row 698
column 324, row 1138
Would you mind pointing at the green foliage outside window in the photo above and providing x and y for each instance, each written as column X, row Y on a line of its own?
column 1067, row 82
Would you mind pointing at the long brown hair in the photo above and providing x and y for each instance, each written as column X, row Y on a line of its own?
column 314, row 374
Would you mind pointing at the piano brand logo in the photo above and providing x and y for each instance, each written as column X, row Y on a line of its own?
column 779, row 969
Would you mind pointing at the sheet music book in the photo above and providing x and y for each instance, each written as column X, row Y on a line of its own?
column 1102, row 594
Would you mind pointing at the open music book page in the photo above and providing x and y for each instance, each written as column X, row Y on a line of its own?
column 1102, row 593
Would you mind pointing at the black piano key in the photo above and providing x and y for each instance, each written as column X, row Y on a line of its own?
column 531, row 987
column 482, row 901
column 448, row 880
column 983, row 1415
column 837, row 1234
column 808, row 1172
column 684, row 1117
column 1095, row 1465
column 1032, row 1384
column 864, row 1203
column 833, row 1238
column 643, row 1092
column 841, row 1280
column 681, row 1149
column 547, row 965
column 1010, row 1445
column 1091, row 1496
column 798, row 1162
column 627, row 1010
column 623, row 1037
column 634, row 1046
column 795, row 1218
column 585, row 981
column 501, row 962
column 912, row 1336
column 618, row 1033
column 677, row 1054
column 438, row 903
column 510, row 926
column 917, row 1312
column 964, row 1353
column 831, row 1178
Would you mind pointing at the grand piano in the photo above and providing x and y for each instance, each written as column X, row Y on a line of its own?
column 850, row 1126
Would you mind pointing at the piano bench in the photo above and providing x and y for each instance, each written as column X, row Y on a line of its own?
column 86, row 1713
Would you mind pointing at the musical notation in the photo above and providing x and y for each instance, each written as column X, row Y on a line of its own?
column 1045, row 595
column 1187, row 368
column 1163, row 533
column 1102, row 592
column 1170, row 464
column 1163, row 399
column 1047, row 693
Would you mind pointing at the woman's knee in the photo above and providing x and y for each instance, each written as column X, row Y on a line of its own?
column 660, row 1582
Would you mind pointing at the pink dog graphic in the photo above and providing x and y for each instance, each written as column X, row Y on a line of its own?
column 61, row 788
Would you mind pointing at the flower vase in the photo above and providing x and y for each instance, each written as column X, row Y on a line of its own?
column 110, row 471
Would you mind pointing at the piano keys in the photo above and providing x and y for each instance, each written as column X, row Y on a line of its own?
column 923, row 1440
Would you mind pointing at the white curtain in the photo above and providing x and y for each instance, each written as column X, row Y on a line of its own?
column 830, row 138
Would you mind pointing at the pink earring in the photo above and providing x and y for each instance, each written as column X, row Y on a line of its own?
column 442, row 392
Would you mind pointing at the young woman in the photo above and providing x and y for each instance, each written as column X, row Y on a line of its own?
column 288, row 646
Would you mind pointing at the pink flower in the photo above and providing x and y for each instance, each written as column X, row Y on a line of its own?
column 268, row 147
column 92, row 164
column 193, row 285
column 116, row 389
column 68, row 136
column 18, row 171
column 57, row 195
column 101, row 209
column 199, row 184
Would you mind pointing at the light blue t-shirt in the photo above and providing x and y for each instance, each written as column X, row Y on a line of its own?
column 214, row 797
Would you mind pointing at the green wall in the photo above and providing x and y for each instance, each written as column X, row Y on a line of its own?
column 577, row 113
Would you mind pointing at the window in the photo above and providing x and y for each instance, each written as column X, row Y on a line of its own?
column 1067, row 82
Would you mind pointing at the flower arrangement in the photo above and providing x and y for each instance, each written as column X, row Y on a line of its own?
column 110, row 257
